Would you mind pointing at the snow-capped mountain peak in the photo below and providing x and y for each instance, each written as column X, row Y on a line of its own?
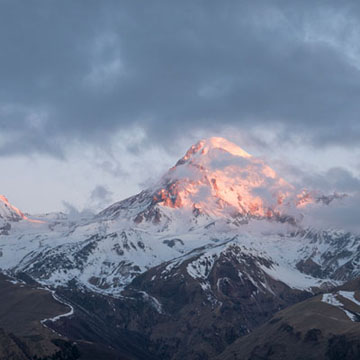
column 216, row 176
column 217, row 179
column 9, row 212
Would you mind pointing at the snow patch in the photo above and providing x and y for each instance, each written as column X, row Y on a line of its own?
column 153, row 301
column 350, row 295
column 332, row 299
column 58, row 317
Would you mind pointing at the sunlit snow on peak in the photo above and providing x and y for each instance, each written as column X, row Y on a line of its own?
column 222, row 144
column 217, row 177
column 10, row 212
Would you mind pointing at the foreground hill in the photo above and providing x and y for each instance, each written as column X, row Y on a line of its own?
column 23, row 309
column 324, row 327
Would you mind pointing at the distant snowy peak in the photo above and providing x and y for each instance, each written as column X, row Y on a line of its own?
column 9, row 212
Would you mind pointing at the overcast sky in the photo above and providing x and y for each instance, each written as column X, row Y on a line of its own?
column 98, row 98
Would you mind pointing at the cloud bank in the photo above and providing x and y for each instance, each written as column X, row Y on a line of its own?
column 82, row 71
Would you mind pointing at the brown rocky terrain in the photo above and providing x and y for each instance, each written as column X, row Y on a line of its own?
column 22, row 336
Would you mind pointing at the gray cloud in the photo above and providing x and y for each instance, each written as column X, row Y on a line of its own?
column 101, row 196
column 81, row 71
column 335, row 179
column 74, row 213
column 342, row 212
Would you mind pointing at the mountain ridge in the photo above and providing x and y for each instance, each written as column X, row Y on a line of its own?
column 207, row 198
column 185, row 267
